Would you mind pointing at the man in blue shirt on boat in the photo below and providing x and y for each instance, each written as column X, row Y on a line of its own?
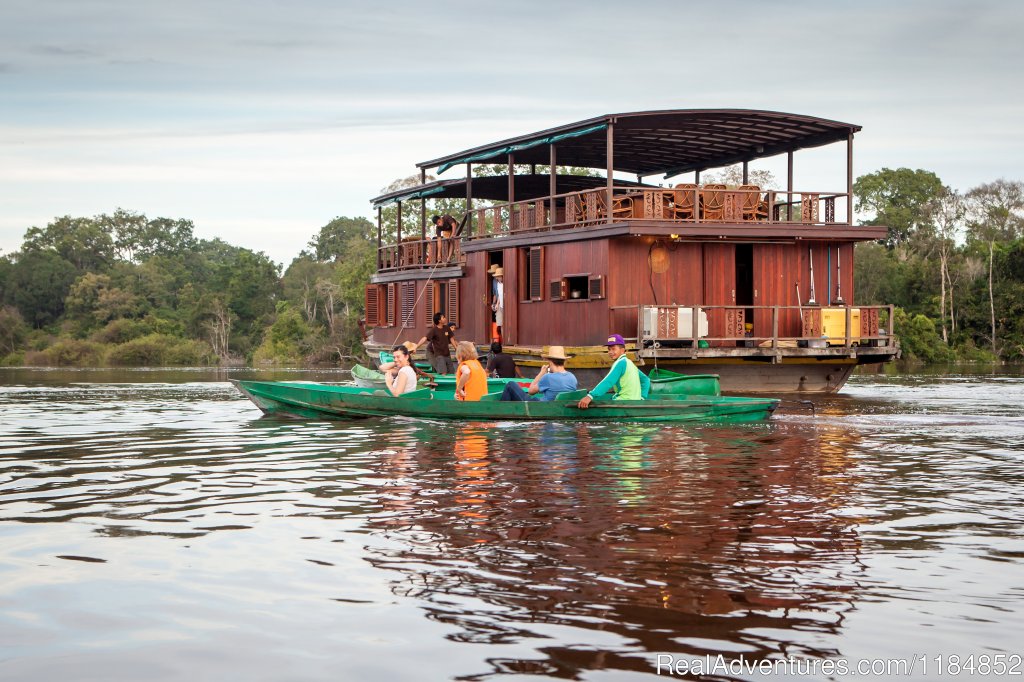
column 552, row 379
column 628, row 382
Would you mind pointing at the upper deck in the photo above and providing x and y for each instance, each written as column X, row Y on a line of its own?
column 538, row 207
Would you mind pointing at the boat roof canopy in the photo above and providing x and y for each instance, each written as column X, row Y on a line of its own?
column 495, row 188
column 666, row 142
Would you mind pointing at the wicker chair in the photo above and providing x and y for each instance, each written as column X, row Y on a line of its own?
column 683, row 197
column 712, row 202
column 753, row 208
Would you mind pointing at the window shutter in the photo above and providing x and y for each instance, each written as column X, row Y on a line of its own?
column 597, row 286
column 391, row 305
column 453, row 302
column 535, row 289
column 557, row 289
column 372, row 307
column 429, row 307
column 408, row 304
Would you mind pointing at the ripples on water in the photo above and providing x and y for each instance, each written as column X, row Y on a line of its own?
column 159, row 529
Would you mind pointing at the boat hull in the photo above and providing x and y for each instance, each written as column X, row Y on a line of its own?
column 305, row 401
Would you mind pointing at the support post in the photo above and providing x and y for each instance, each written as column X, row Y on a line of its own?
column 849, row 317
column 423, row 207
column 610, row 158
column 775, row 327
column 398, row 205
column 553, row 184
column 789, row 186
column 469, row 198
column 380, row 228
column 849, row 179
column 746, row 173
column 511, row 190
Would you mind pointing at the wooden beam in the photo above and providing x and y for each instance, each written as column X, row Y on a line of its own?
column 789, row 186
column 849, row 179
column 610, row 158
column 552, row 184
column 423, row 207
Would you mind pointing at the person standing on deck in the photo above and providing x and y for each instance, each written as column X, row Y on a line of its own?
column 440, row 340
column 628, row 382
column 471, row 384
column 444, row 227
column 498, row 300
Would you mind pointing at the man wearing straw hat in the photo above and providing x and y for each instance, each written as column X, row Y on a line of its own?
column 552, row 379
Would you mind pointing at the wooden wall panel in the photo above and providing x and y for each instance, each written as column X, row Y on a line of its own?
column 719, row 276
column 567, row 322
column 827, row 257
column 777, row 268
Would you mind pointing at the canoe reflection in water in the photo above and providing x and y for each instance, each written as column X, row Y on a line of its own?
column 664, row 539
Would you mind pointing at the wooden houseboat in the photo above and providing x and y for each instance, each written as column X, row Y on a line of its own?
column 752, row 283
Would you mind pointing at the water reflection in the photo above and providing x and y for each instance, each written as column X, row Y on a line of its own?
column 156, row 526
column 660, row 536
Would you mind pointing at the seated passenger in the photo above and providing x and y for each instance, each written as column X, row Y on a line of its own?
column 552, row 379
column 628, row 382
column 471, row 384
column 400, row 378
column 501, row 364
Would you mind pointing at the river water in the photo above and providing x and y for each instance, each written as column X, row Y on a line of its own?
column 153, row 526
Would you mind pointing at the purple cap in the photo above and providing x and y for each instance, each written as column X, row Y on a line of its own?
column 616, row 340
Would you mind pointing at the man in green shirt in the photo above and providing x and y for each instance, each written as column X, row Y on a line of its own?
column 628, row 381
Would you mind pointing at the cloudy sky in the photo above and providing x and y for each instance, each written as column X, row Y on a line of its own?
column 264, row 119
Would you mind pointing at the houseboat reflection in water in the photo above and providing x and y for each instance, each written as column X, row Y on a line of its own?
column 662, row 539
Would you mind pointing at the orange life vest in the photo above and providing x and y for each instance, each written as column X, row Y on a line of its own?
column 476, row 386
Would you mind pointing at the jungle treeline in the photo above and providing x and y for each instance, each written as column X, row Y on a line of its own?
column 123, row 289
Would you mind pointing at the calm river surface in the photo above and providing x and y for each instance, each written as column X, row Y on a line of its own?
column 153, row 526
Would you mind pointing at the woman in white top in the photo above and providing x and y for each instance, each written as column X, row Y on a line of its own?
column 401, row 378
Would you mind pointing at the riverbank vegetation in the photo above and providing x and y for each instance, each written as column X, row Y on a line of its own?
column 122, row 289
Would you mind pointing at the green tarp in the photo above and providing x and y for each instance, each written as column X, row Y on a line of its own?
column 504, row 151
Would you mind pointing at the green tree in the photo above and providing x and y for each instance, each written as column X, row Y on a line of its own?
column 996, row 214
column 330, row 242
column 83, row 242
column 898, row 199
column 39, row 282
column 12, row 329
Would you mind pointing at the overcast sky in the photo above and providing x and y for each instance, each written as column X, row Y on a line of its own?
column 262, row 120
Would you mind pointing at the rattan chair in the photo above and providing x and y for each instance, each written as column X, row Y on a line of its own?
column 683, row 197
column 753, row 208
column 712, row 202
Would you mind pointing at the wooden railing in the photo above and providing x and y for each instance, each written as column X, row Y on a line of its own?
column 757, row 326
column 589, row 208
column 670, row 205
column 419, row 253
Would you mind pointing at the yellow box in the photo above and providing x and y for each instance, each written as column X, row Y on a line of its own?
column 833, row 325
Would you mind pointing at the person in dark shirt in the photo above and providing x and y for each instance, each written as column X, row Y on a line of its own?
column 444, row 228
column 440, row 340
column 501, row 364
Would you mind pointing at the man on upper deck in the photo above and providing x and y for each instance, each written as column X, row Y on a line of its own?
column 628, row 382
column 444, row 227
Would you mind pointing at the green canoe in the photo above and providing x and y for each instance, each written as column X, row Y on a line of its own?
column 318, row 401
column 371, row 378
column 664, row 381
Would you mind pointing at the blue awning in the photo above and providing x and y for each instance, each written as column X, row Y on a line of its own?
column 504, row 151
